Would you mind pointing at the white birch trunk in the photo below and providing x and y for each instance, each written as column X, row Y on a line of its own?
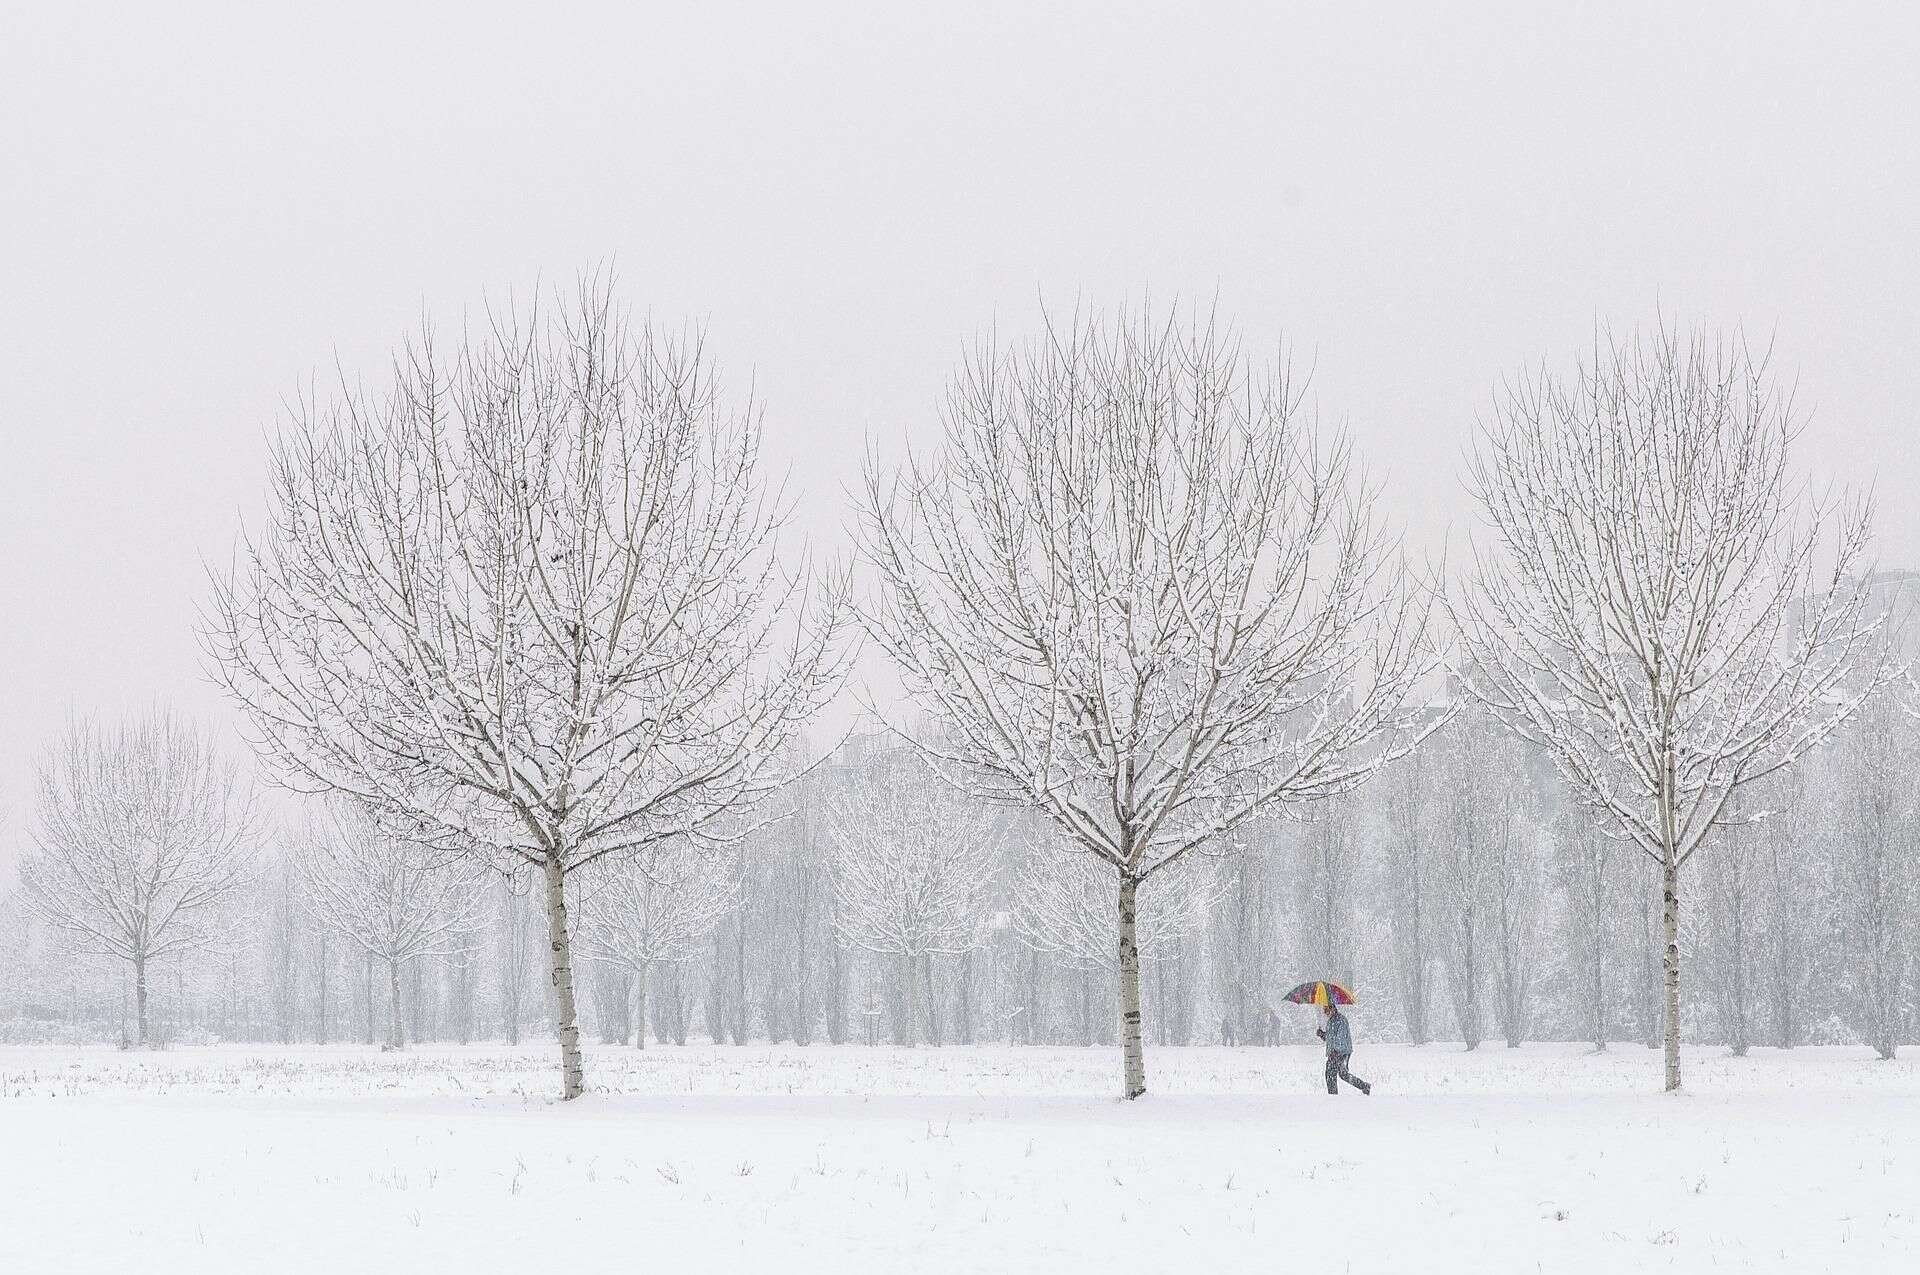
column 1670, row 937
column 1133, row 1056
column 640, row 1006
column 566, row 1021
column 396, row 1033
column 140, row 999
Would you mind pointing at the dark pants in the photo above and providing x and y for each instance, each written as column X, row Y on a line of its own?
column 1337, row 1070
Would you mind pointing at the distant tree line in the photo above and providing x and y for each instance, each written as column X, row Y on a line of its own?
column 1183, row 726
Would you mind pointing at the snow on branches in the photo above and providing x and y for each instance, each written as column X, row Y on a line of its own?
column 141, row 832
column 1660, row 606
column 528, row 600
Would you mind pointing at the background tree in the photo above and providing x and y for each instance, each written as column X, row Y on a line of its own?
column 394, row 899
column 913, row 868
column 1589, row 874
column 1876, row 851
column 656, row 910
column 1516, row 885
column 1408, row 828
column 141, row 833
column 528, row 603
column 1139, row 593
column 1654, row 610
column 1473, row 822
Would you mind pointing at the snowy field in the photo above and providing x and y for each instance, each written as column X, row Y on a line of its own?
column 784, row 1159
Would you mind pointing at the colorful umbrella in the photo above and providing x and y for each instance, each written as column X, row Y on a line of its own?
column 1319, row 992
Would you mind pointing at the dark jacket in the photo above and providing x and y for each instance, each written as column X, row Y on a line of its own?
column 1339, row 1038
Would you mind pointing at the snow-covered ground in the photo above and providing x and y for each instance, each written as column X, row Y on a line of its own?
column 785, row 1159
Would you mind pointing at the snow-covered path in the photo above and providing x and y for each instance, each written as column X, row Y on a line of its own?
column 785, row 1159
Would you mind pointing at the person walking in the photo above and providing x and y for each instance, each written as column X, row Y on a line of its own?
column 1339, row 1040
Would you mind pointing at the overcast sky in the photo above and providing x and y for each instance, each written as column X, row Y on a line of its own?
column 199, row 210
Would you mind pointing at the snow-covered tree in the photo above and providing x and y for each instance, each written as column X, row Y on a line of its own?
column 1517, row 895
column 1326, row 872
column 1728, row 938
column 656, row 910
column 1588, row 869
column 1660, row 607
column 1474, row 816
column 1789, row 875
column 1875, row 852
column 1407, row 878
column 1141, row 594
column 141, row 833
column 396, row 900
column 913, row 869
column 528, row 603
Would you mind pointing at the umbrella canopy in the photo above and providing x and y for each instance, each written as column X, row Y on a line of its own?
column 1319, row 992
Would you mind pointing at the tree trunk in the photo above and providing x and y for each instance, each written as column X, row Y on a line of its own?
column 910, row 1024
column 1670, row 935
column 140, row 999
column 321, row 1034
column 933, row 1001
column 1599, row 991
column 963, row 1005
column 396, row 1033
column 566, row 1024
column 640, row 1007
column 1133, row 1057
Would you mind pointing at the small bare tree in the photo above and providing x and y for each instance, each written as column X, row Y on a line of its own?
column 529, row 604
column 1653, row 610
column 394, row 899
column 141, row 833
column 656, row 910
column 913, row 869
column 1140, row 595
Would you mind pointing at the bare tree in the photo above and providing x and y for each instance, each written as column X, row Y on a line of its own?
column 529, row 601
column 656, row 910
column 1729, row 933
column 394, row 899
column 1140, row 595
column 1591, row 890
column 913, row 869
column 1326, row 870
column 141, row 832
column 1789, row 878
column 1654, row 610
column 1474, row 820
column 1409, row 870
column 1876, row 854
column 1515, row 879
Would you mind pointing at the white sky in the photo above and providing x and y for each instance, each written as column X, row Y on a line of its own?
column 200, row 208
